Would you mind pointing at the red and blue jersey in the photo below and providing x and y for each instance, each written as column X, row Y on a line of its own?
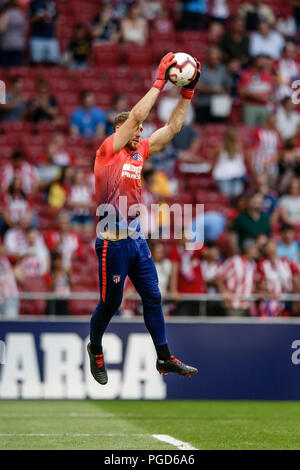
column 119, row 174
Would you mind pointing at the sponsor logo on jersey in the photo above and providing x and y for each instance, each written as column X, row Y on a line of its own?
column 131, row 171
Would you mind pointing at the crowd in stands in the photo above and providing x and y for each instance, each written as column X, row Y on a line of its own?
column 70, row 67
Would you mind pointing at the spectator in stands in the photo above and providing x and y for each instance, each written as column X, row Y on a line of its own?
column 15, row 238
column 155, row 190
column 48, row 170
column 187, row 143
column 286, row 25
column 105, row 27
column 266, row 41
column 88, row 121
column 163, row 266
column 16, row 102
column 234, row 71
column 209, row 225
column 165, row 161
column 119, row 104
column 210, row 266
column 249, row 223
column 219, row 11
column 186, row 277
column 58, row 190
column 289, row 204
column 214, row 83
column 64, row 240
column 58, row 280
column 276, row 276
column 149, row 125
column 237, row 277
column 134, row 28
column 266, row 146
column 43, row 43
column 235, row 42
column 288, row 165
column 288, row 247
column 288, row 119
column 35, row 261
column 78, row 54
column 60, row 155
column 214, row 33
column 80, row 200
column 229, row 168
column 164, row 23
column 44, row 106
column 16, row 206
column 256, row 88
column 287, row 69
column 9, row 303
column 13, row 34
column 167, row 104
column 296, row 8
column 255, row 11
column 151, row 9
column 19, row 167
column 194, row 14
column 261, row 186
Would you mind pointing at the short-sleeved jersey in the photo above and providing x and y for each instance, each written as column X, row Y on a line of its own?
column 119, row 174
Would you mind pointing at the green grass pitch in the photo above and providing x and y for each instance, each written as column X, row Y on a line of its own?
column 129, row 425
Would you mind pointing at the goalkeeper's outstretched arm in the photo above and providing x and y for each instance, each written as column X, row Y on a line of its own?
column 163, row 136
column 140, row 111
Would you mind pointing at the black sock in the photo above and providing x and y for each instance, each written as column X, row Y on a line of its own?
column 163, row 352
column 96, row 350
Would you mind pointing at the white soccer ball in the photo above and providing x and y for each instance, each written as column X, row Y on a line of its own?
column 184, row 71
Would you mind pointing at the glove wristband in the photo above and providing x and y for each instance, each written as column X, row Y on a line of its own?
column 187, row 94
column 159, row 84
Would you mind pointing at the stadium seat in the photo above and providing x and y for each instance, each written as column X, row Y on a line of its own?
column 106, row 57
column 33, row 307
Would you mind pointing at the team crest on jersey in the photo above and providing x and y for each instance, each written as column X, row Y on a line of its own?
column 116, row 278
column 136, row 156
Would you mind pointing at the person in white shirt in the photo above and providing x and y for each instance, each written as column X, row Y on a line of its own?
column 287, row 119
column 289, row 204
column 220, row 10
column 229, row 168
column 9, row 303
column 266, row 41
column 167, row 104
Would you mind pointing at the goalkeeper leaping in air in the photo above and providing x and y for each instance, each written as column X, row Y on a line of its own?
column 124, row 251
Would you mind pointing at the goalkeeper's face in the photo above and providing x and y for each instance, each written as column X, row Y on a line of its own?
column 134, row 142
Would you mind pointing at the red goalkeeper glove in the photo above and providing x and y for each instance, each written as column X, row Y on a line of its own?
column 187, row 91
column 163, row 70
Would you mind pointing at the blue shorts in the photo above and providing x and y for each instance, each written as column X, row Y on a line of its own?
column 118, row 259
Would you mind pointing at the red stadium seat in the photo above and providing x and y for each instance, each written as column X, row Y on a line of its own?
column 137, row 58
column 33, row 307
column 204, row 196
column 14, row 127
column 104, row 56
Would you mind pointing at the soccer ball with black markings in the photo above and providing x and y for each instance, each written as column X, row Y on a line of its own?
column 184, row 71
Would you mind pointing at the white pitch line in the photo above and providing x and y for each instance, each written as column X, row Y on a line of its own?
column 68, row 434
column 175, row 442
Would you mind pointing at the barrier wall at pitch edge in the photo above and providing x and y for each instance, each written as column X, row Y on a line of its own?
column 237, row 360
